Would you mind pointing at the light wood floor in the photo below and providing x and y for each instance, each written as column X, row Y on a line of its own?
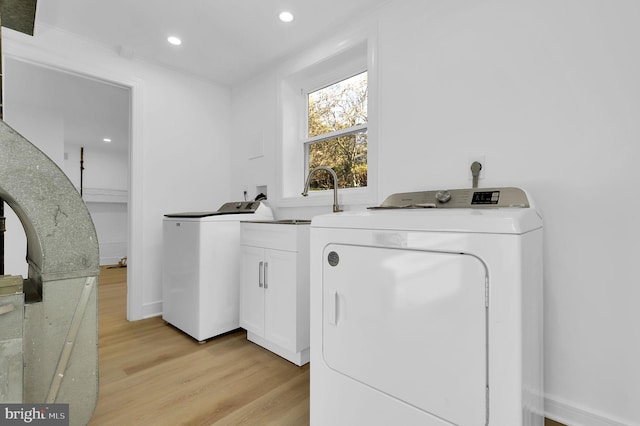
column 153, row 374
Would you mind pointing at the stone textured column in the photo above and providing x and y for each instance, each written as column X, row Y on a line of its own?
column 63, row 258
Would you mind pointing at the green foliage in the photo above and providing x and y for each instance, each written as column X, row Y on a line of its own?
column 338, row 107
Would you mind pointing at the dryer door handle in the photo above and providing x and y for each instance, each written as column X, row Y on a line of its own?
column 332, row 307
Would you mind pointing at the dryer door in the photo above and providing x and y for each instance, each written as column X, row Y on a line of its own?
column 411, row 324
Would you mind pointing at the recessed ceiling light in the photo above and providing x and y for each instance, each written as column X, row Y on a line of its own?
column 286, row 16
column 174, row 40
column 106, row 140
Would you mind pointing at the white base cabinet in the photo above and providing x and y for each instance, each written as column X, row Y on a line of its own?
column 274, row 290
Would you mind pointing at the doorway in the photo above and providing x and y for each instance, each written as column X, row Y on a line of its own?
column 84, row 125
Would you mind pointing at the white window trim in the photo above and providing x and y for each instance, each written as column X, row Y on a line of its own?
column 292, row 124
column 336, row 133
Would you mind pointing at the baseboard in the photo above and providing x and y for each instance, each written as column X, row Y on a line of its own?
column 152, row 309
column 112, row 251
column 298, row 358
column 572, row 415
column 109, row 261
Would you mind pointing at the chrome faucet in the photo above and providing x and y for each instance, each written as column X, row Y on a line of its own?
column 336, row 207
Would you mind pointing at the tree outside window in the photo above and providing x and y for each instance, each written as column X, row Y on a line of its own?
column 337, row 133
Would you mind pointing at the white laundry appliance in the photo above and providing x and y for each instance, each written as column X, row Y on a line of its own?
column 427, row 310
column 201, row 267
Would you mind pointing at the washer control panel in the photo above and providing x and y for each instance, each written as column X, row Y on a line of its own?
column 239, row 207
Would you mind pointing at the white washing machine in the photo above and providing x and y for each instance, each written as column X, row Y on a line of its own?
column 201, row 267
column 427, row 310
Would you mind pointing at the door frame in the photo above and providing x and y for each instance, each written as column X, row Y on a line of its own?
column 43, row 59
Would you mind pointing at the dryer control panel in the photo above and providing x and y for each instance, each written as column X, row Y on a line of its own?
column 458, row 198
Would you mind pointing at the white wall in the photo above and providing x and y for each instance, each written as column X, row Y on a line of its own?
column 41, row 125
column 111, row 222
column 179, row 150
column 44, row 128
column 103, row 168
column 105, row 183
column 253, row 122
column 548, row 92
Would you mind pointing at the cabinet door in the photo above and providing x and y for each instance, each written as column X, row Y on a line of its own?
column 251, row 290
column 281, row 298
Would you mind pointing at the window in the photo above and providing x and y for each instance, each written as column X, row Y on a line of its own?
column 328, row 109
column 337, row 133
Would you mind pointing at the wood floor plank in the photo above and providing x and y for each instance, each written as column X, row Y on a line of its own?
column 285, row 405
column 152, row 373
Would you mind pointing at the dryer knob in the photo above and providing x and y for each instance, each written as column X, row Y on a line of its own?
column 443, row 196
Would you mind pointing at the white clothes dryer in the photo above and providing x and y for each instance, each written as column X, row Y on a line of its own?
column 427, row 310
column 201, row 268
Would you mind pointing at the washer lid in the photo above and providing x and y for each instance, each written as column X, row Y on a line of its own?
column 490, row 221
column 204, row 214
column 233, row 207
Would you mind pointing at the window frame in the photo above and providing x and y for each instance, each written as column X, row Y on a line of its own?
column 322, row 67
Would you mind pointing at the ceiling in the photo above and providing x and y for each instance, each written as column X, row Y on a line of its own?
column 226, row 41
column 90, row 110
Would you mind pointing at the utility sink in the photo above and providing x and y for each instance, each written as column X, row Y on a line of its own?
column 293, row 221
column 285, row 221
